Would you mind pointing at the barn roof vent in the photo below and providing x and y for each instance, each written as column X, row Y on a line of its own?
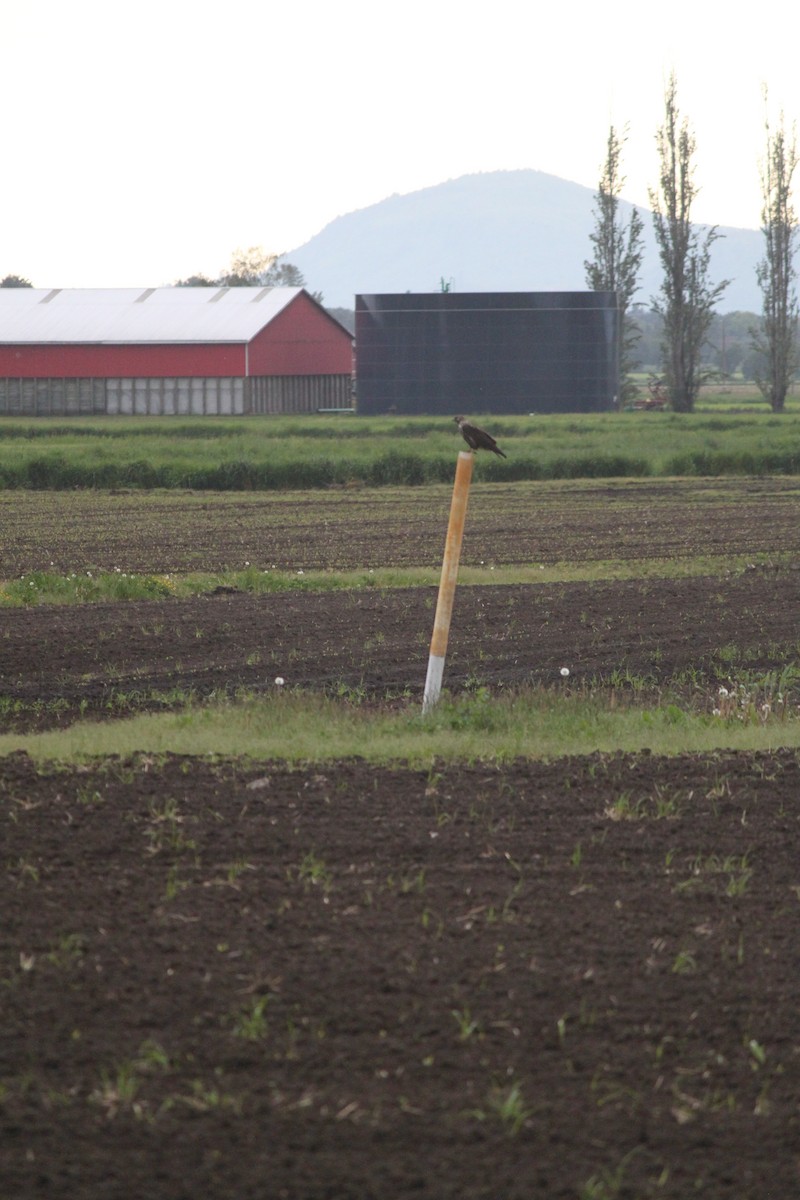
column 219, row 295
column 50, row 296
column 146, row 294
column 264, row 292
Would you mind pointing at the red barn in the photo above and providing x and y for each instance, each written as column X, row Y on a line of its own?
column 172, row 350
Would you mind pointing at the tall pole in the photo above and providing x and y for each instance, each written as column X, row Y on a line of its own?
column 447, row 583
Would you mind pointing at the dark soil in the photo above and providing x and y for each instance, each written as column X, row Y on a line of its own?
column 109, row 659
column 355, row 983
column 230, row 981
column 506, row 523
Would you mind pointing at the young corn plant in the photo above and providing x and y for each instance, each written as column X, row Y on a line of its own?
column 313, row 872
column 164, row 828
column 117, row 1089
column 508, row 1105
column 251, row 1025
column 609, row 1182
column 467, row 1024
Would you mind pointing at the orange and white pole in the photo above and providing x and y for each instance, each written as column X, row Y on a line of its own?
column 447, row 583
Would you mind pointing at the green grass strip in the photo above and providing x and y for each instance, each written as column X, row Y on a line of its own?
column 308, row 728
column 280, row 453
column 48, row 587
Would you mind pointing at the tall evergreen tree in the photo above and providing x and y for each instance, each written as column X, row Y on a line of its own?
column 776, row 339
column 618, row 251
column 687, row 297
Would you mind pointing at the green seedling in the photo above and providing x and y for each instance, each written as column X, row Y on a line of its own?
column 152, row 1056
column 313, row 872
column 251, row 1025
column 624, row 808
column 235, row 869
column 210, row 1099
column 467, row 1025
column 608, row 1183
column 164, row 829
column 739, row 879
column 25, row 871
column 660, row 806
column 412, row 883
column 117, row 1089
column 509, row 1106
column 666, row 806
column 68, row 950
column 88, row 796
column 174, row 885
column 757, row 1053
column 735, row 866
column 685, row 963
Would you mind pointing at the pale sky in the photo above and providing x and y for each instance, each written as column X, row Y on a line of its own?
column 144, row 142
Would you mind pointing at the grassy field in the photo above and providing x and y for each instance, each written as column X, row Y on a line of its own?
column 323, row 451
column 533, row 723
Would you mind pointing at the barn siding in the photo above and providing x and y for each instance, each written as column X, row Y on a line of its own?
column 79, row 361
column 301, row 340
column 187, row 396
column 286, row 354
column 300, row 393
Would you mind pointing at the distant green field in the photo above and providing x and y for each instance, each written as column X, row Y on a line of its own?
column 322, row 451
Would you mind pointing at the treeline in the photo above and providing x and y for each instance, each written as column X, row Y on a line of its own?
column 691, row 336
column 729, row 348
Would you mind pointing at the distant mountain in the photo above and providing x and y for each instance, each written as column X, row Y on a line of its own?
column 498, row 231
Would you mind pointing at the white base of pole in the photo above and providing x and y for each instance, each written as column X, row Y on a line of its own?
column 433, row 682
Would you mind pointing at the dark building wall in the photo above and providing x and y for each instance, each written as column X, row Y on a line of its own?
column 504, row 352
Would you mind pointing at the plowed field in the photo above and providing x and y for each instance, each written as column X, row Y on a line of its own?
column 338, row 529
column 102, row 660
column 574, row 979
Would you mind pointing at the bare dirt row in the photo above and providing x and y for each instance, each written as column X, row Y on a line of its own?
column 506, row 524
column 541, row 980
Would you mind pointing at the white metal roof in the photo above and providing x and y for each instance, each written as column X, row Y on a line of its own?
column 122, row 315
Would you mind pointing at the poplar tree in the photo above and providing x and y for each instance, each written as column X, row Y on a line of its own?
column 776, row 339
column 618, row 251
column 687, row 298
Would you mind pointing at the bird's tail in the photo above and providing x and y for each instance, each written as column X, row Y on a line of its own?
column 500, row 452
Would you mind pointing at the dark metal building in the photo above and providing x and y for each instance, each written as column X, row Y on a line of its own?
column 473, row 352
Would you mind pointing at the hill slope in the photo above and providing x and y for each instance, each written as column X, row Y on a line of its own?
column 498, row 231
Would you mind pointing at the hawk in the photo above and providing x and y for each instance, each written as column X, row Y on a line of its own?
column 477, row 439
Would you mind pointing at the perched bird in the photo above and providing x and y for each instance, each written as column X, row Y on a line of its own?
column 477, row 439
